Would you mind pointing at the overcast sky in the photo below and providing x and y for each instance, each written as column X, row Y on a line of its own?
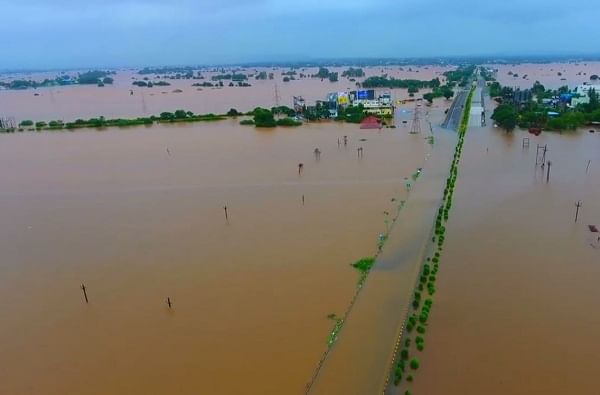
column 87, row 33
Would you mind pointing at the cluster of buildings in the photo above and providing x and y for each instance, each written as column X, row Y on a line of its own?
column 580, row 95
column 583, row 94
column 381, row 105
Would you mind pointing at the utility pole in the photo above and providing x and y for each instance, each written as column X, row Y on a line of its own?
column 84, row 289
column 577, row 212
column 548, row 172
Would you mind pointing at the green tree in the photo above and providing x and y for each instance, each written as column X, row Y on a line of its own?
column 322, row 73
column 538, row 89
column 167, row 115
column 353, row 73
column 593, row 105
column 505, row 116
column 428, row 97
column 264, row 118
column 447, row 92
column 180, row 114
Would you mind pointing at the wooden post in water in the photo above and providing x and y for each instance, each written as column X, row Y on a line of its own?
column 303, row 200
column 300, row 167
column 226, row 215
column 548, row 172
column 588, row 166
column 169, row 302
column 577, row 211
column 84, row 289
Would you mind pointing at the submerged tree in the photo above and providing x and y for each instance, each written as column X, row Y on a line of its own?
column 505, row 116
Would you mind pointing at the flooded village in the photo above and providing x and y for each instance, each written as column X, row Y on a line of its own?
column 319, row 229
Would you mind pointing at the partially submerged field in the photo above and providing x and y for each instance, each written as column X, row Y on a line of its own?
column 68, row 103
column 551, row 75
column 137, row 216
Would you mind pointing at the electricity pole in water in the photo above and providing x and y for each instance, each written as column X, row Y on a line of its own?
column 548, row 172
column 84, row 289
column 577, row 211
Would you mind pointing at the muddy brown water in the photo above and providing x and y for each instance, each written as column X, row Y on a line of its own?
column 112, row 209
column 518, row 285
column 572, row 74
column 68, row 103
column 359, row 361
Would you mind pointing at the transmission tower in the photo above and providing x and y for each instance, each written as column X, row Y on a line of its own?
column 416, row 124
column 277, row 98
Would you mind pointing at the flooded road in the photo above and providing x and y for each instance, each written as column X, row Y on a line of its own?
column 359, row 362
column 518, row 285
column 137, row 224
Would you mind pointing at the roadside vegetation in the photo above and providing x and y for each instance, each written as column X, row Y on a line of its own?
column 461, row 75
column 412, row 341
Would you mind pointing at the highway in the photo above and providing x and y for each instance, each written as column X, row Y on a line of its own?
column 455, row 112
column 359, row 362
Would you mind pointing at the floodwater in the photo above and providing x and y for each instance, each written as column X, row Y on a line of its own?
column 571, row 74
column 68, row 103
column 515, row 308
column 137, row 216
column 359, row 361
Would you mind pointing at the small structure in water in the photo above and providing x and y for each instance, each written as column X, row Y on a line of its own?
column 371, row 122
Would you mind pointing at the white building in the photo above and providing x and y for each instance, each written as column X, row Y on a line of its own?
column 585, row 88
column 580, row 100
